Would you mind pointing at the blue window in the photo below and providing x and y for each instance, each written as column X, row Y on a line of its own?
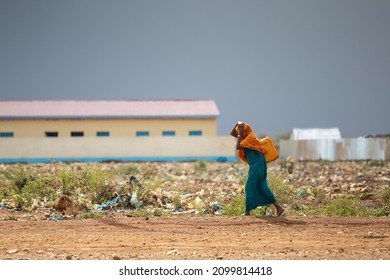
column 142, row 133
column 6, row 134
column 168, row 133
column 103, row 134
column 195, row 133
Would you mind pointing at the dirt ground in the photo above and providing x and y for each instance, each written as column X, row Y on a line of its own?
column 195, row 238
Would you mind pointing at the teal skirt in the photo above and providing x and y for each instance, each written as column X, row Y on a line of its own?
column 257, row 192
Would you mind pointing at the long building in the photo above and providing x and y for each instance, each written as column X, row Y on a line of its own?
column 95, row 130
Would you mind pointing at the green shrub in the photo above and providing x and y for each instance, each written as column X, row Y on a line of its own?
column 127, row 170
column 99, row 185
column 91, row 215
column 200, row 165
column 376, row 163
column 6, row 188
column 31, row 193
column 346, row 207
column 385, row 196
column 33, row 190
column 281, row 189
column 234, row 207
column 319, row 195
column 146, row 213
column 67, row 181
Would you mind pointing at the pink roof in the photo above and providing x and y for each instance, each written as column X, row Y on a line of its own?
column 107, row 108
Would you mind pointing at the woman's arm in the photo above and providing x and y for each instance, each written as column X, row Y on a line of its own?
column 240, row 129
column 238, row 142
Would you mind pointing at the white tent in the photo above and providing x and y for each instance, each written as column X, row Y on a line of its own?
column 315, row 133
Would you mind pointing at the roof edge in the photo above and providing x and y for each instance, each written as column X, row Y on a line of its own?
column 99, row 100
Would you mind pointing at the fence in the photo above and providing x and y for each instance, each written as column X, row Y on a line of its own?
column 334, row 150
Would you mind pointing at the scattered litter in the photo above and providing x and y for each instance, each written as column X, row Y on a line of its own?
column 134, row 200
column 216, row 206
column 176, row 188
column 301, row 193
column 55, row 218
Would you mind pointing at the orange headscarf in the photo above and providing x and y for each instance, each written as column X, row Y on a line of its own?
column 249, row 141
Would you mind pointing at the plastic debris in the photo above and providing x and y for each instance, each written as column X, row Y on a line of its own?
column 177, row 188
column 301, row 193
column 55, row 218
column 134, row 200
column 216, row 206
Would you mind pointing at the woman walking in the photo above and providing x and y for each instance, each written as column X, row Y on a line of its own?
column 257, row 192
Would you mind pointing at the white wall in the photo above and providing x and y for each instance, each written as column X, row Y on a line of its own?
column 118, row 148
column 343, row 149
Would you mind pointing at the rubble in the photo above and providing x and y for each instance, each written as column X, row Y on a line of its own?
column 179, row 188
column 351, row 177
column 63, row 203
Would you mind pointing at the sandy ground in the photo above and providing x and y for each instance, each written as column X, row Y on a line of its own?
column 195, row 238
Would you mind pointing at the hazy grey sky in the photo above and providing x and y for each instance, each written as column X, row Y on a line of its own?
column 274, row 64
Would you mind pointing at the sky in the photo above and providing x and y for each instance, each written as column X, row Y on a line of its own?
column 276, row 65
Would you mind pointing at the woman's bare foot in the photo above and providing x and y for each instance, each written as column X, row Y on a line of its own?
column 280, row 212
column 279, row 209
